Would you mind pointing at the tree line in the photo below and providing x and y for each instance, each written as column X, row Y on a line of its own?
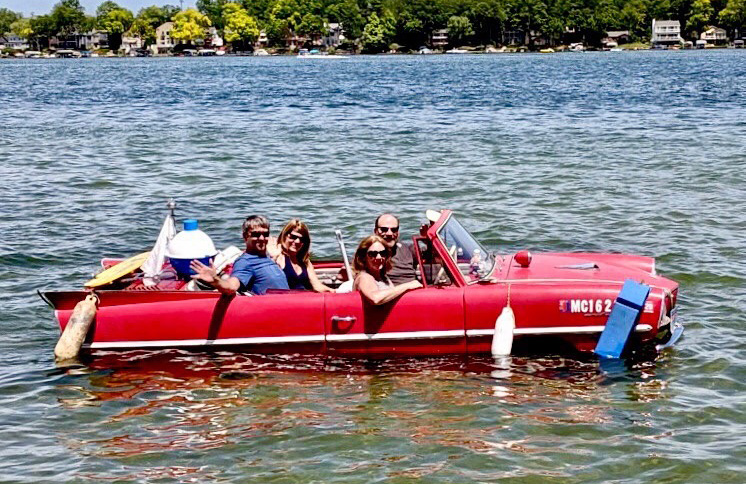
column 374, row 25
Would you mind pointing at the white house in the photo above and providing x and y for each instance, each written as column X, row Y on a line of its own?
column 714, row 35
column 163, row 40
column 439, row 38
column 12, row 41
column 666, row 32
column 334, row 35
column 131, row 44
column 213, row 39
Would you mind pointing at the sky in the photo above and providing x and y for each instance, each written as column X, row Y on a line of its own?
column 39, row 7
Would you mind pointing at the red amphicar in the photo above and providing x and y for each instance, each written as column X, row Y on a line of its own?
column 563, row 296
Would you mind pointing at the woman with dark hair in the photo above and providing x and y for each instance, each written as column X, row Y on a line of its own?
column 372, row 262
column 294, row 259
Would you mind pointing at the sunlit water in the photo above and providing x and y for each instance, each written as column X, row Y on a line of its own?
column 619, row 152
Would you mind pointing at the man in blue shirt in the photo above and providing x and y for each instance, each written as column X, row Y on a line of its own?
column 254, row 271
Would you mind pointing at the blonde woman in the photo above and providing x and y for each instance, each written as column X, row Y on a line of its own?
column 292, row 255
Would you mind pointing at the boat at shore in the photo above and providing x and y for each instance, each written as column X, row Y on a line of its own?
column 317, row 54
column 566, row 297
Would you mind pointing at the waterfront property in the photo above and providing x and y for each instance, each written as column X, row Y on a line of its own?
column 714, row 35
column 666, row 33
column 163, row 41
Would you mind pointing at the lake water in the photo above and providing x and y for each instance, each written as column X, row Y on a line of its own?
column 640, row 152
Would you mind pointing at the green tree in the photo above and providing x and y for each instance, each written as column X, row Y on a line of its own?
column 487, row 17
column 633, row 17
column 734, row 14
column 214, row 9
column 239, row 25
column 150, row 18
column 459, row 29
column 700, row 15
column 104, row 9
column 189, row 26
column 349, row 15
column 378, row 33
column 116, row 22
column 68, row 17
column 7, row 17
column 285, row 18
column 22, row 28
column 528, row 16
column 43, row 27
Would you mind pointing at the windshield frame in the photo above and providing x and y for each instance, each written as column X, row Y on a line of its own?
column 487, row 256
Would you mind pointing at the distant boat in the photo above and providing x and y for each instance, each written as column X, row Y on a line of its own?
column 457, row 51
column 547, row 51
column 317, row 54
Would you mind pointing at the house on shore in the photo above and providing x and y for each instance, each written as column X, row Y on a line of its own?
column 92, row 40
column 12, row 41
column 439, row 38
column 163, row 41
column 714, row 35
column 334, row 35
column 616, row 37
column 666, row 33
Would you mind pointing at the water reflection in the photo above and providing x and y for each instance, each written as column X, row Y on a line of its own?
column 175, row 401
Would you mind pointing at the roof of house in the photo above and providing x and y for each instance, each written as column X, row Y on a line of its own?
column 617, row 33
column 668, row 23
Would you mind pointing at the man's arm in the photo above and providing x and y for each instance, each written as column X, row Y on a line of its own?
column 207, row 274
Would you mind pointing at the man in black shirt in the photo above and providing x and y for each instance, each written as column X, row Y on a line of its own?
column 402, row 258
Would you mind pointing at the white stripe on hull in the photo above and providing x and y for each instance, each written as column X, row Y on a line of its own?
column 320, row 338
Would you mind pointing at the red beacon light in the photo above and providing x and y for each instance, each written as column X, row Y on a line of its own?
column 523, row 258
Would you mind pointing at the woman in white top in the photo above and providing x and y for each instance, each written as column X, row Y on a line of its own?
column 372, row 261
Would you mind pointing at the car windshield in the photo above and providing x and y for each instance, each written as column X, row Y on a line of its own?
column 471, row 257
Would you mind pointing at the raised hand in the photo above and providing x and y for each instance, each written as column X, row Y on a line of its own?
column 203, row 272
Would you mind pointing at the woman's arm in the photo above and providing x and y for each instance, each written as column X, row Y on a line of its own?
column 316, row 284
column 368, row 287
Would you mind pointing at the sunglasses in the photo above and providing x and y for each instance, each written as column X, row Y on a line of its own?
column 384, row 230
column 259, row 233
column 292, row 236
column 378, row 253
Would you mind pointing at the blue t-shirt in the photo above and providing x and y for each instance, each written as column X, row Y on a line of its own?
column 258, row 273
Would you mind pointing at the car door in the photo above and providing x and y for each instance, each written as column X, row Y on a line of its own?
column 426, row 321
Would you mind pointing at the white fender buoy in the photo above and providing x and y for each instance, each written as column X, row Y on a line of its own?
column 502, row 340
column 76, row 330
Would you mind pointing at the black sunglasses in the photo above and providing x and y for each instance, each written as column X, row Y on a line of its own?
column 375, row 253
column 259, row 233
column 292, row 236
column 393, row 230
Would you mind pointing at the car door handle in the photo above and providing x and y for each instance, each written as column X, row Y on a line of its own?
column 343, row 319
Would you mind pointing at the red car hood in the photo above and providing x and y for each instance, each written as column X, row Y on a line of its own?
column 586, row 267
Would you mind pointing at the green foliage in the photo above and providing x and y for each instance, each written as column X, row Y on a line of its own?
column 375, row 24
column 378, row 33
column 239, row 25
column 190, row 25
column 103, row 10
column 117, row 21
column 22, row 28
column 7, row 17
column 214, row 9
column 701, row 13
column 734, row 14
column 459, row 29
column 148, row 19
column 68, row 17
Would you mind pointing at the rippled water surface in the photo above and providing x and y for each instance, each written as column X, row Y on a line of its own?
column 632, row 152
